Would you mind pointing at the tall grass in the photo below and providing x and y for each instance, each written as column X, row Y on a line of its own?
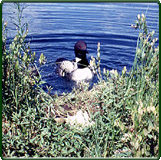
column 124, row 107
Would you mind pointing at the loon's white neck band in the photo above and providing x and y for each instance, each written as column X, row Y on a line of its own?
column 77, row 59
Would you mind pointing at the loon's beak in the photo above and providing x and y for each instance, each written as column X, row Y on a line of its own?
column 77, row 59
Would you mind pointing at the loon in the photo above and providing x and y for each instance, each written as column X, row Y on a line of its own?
column 78, row 69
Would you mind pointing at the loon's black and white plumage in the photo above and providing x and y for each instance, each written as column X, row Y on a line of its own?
column 78, row 69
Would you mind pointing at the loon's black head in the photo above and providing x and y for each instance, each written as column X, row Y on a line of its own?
column 80, row 49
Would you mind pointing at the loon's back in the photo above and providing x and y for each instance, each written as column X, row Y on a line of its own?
column 81, row 74
column 65, row 66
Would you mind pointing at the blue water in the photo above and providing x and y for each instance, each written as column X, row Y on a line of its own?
column 54, row 28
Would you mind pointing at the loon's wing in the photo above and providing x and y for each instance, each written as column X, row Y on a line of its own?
column 60, row 60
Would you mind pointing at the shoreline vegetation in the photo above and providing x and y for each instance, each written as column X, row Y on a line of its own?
column 120, row 114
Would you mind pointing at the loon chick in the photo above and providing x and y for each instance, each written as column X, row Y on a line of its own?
column 77, row 70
